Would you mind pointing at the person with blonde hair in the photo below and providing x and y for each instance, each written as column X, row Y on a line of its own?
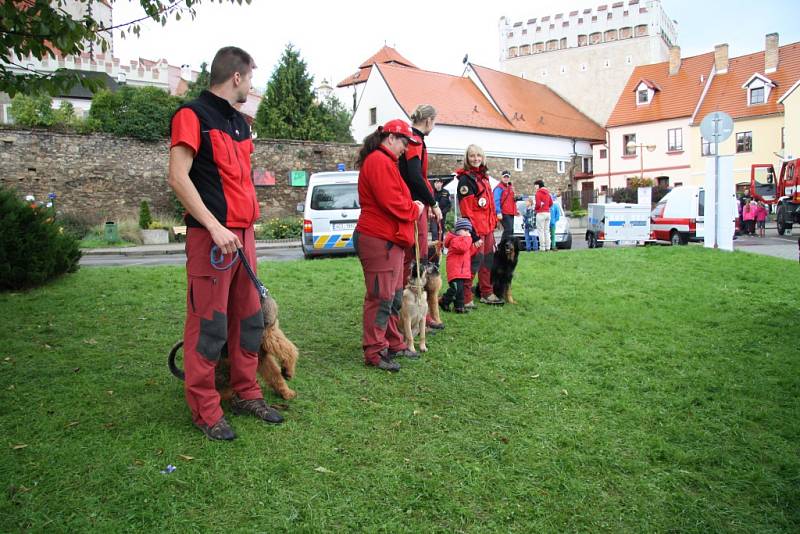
column 476, row 203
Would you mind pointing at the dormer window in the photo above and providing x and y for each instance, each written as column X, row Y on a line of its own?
column 758, row 88
column 645, row 91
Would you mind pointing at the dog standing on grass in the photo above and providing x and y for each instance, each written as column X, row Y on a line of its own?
column 505, row 263
column 415, row 308
column 277, row 357
column 433, row 284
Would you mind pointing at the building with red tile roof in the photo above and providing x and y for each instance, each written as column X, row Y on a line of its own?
column 509, row 117
column 355, row 82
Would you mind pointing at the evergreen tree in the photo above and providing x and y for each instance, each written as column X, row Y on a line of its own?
column 288, row 109
column 200, row 84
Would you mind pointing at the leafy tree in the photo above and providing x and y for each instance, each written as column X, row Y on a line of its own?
column 38, row 111
column 202, row 83
column 140, row 112
column 288, row 109
column 42, row 27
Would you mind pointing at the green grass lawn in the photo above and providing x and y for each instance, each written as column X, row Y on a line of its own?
column 631, row 390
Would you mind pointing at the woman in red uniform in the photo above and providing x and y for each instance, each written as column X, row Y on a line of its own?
column 476, row 203
column 385, row 229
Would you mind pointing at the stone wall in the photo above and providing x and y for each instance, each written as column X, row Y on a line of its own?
column 102, row 177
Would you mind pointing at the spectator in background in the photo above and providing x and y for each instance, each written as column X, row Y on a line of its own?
column 542, row 203
column 761, row 218
column 531, row 242
column 554, row 216
column 443, row 199
column 749, row 217
column 504, row 204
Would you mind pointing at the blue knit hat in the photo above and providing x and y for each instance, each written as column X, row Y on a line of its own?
column 463, row 224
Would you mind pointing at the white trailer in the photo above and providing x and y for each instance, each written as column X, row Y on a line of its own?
column 623, row 224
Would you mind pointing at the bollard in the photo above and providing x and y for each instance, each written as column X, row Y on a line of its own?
column 111, row 233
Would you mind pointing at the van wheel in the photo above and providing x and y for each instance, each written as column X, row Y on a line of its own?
column 676, row 238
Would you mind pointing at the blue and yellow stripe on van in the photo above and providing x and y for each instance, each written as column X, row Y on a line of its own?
column 330, row 241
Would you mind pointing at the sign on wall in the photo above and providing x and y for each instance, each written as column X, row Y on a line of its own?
column 262, row 177
column 298, row 178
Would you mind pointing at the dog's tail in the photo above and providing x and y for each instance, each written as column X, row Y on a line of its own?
column 173, row 368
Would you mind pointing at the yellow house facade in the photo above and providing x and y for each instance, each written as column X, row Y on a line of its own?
column 791, row 121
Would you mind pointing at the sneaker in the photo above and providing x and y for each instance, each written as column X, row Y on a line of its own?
column 469, row 305
column 404, row 353
column 461, row 310
column 492, row 299
column 256, row 407
column 220, row 431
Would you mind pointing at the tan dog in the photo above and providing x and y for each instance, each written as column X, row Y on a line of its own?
column 414, row 310
column 277, row 358
column 433, row 285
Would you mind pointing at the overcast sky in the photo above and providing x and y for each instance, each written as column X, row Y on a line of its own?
column 335, row 37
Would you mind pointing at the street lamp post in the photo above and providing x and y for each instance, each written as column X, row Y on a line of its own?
column 632, row 146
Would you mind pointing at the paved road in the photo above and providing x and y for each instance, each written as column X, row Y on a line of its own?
column 771, row 245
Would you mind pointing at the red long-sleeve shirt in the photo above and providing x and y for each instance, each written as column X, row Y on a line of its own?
column 387, row 211
column 543, row 200
column 460, row 250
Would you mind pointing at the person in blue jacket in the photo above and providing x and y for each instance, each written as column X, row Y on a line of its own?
column 554, row 216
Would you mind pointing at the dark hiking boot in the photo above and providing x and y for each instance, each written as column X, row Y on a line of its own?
column 492, row 300
column 385, row 363
column 405, row 353
column 221, row 430
column 256, row 407
column 435, row 326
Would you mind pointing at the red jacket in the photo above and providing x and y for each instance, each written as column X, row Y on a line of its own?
column 387, row 211
column 460, row 250
column 475, row 199
column 543, row 201
column 508, row 206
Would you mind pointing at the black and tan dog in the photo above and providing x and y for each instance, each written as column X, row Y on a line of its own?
column 503, row 267
column 277, row 357
column 433, row 284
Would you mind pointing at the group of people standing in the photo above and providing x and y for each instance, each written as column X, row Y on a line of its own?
column 397, row 204
column 753, row 216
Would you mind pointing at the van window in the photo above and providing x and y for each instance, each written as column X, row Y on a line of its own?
column 658, row 211
column 701, row 203
column 335, row 197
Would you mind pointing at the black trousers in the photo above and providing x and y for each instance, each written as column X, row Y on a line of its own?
column 455, row 294
column 508, row 226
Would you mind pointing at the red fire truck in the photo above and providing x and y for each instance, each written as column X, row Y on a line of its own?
column 780, row 191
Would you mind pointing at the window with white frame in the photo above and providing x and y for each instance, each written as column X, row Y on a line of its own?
column 707, row 148
column 586, row 165
column 603, row 153
column 674, row 139
column 7, row 117
column 561, row 167
column 518, row 164
column 373, row 116
column 642, row 96
column 744, row 142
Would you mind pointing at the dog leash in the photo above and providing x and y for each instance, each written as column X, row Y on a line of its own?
column 216, row 259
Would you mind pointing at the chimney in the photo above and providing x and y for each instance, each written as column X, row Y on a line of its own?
column 186, row 72
column 721, row 58
column 674, row 60
column 771, row 53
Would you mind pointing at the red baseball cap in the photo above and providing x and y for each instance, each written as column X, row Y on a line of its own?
column 401, row 127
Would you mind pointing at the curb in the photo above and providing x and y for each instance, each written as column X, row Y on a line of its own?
column 176, row 248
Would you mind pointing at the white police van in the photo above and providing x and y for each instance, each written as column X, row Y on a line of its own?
column 330, row 213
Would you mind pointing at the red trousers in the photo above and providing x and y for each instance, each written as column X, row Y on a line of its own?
column 382, row 263
column 221, row 306
column 482, row 266
column 410, row 254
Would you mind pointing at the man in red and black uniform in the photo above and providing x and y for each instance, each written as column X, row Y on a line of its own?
column 209, row 170
column 505, row 205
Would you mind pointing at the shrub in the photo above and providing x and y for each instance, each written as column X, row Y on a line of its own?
column 177, row 207
column 37, row 111
column 630, row 195
column 285, row 228
column 75, row 225
column 33, row 248
column 576, row 204
column 140, row 112
column 145, row 219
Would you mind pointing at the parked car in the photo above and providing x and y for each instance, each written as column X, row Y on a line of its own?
column 563, row 234
column 330, row 213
